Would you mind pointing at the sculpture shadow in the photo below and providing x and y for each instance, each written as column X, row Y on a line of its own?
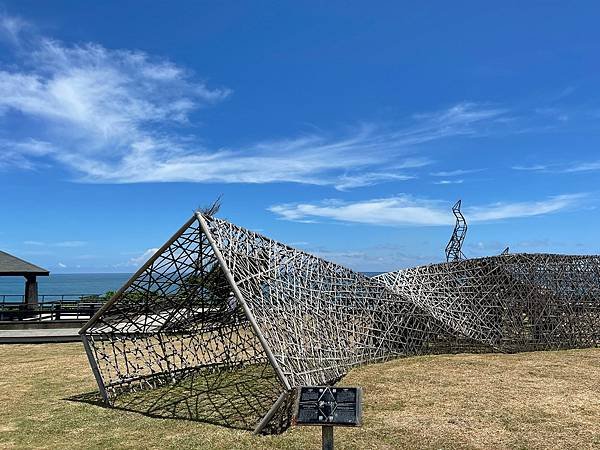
column 235, row 399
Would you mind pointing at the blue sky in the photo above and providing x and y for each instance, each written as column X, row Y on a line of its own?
column 342, row 128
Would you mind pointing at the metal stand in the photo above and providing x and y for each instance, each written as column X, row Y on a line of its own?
column 327, row 437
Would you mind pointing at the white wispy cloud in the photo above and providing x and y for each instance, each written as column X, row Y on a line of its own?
column 405, row 210
column 459, row 116
column 399, row 210
column 448, row 174
column 11, row 27
column 554, row 113
column 584, row 167
column 70, row 244
column 313, row 159
column 123, row 116
column 139, row 260
column 21, row 153
column 348, row 181
column 459, row 181
column 533, row 244
column 576, row 167
column 36, row 243
column 498, row 211
column 532, row 168
column 381, row 258
column 455, row 173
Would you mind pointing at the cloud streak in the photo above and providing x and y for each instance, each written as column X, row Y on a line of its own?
column 404, row 210
column 64, row 244
column 137, row 261
column 577, row 167
column 124, row 116
column 444, row 182
column 455, row 173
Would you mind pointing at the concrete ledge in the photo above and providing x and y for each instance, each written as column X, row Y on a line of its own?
column 35, row 325
column 40, row 336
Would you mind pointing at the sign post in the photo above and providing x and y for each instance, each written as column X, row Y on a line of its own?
column 327, row 437
column 328, row 406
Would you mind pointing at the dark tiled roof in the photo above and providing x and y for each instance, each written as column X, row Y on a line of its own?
column 11, row 265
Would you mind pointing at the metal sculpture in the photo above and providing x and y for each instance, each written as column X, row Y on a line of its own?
column 511, row 302
column 454, row 247
column 221, row 323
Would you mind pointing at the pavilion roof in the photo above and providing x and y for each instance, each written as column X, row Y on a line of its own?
column 12, row 266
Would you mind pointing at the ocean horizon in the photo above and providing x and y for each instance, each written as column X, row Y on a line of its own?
column 74, row 283
column 67, row 283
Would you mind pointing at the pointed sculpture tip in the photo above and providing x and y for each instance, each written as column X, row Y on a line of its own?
column 212, row 209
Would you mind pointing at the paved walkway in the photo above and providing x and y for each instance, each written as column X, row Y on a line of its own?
column 35, row 336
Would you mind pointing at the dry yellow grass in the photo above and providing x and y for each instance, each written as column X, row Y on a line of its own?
column 544, row 400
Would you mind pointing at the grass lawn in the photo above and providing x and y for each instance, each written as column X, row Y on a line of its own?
column 529, row 400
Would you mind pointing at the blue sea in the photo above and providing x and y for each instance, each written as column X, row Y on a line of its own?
column 67, row 283
column 73, row 283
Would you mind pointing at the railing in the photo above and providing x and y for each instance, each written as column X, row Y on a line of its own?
column 46, row 298
column 50, row 307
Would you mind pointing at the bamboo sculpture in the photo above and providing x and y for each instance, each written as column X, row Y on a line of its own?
column 222, row 323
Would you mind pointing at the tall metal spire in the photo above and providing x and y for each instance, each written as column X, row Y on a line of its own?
column 454, row 247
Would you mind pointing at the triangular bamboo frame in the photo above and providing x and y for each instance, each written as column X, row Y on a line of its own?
column 223, row 265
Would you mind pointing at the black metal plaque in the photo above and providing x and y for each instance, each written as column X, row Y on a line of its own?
column 328, row 405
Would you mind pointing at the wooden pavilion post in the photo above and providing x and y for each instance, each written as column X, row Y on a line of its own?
column 31, row 291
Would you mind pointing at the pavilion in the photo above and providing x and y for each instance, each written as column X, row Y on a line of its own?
column 11, row 266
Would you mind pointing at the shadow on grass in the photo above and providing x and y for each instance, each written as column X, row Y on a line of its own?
column 231, row 398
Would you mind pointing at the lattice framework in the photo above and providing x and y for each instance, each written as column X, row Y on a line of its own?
column 222, row 323
column 511, row 302
column 224, row 313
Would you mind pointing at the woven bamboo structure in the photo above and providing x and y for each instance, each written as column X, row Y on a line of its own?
column 511, row 302
column 222, row 323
